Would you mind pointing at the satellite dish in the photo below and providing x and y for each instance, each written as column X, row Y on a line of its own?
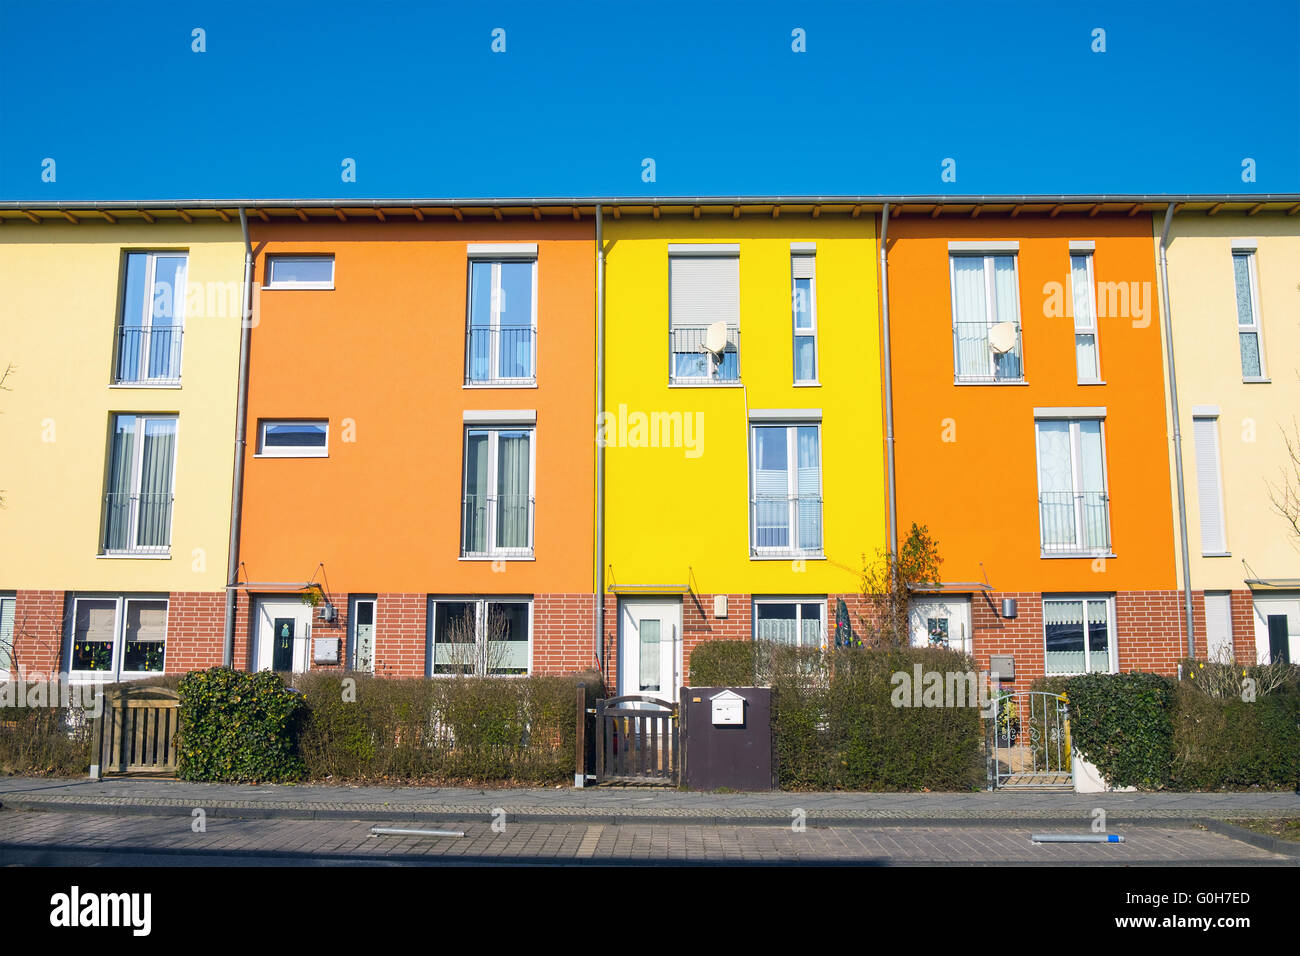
column 715, row 338
column 1002, row 337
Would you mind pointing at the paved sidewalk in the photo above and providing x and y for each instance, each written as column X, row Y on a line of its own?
column 121, row 796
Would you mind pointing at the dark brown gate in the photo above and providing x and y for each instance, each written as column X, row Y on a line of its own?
column 637, row 740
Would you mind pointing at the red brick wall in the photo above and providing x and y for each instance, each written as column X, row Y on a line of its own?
column 196, row 623
column 38, row 634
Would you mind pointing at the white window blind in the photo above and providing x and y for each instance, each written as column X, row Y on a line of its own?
column 6, row 632
column 704, row 290
column 1209, row 493
column 1218, row 627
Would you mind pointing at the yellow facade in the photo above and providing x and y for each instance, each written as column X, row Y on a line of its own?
column 59, row 313
column 680, row 515
column 1252, row 415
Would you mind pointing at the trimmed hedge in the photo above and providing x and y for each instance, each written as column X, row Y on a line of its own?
column 462, row 729
column 1123, row 724
column 1226, row 744
column 837, row 726
column 237, row 727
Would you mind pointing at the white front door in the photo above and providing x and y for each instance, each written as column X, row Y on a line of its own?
column 650, row 647
column 1277, row 625
column 283, row 635
column 940, row 622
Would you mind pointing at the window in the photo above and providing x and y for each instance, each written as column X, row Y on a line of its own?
column 704, row 292
column 141, row 469
column 800, row 622
column 361, row 648
column 293, row 439
column 803, row 273
column 501, row 345
column 498, row 502
column 1218, row 626
column 1248, row 330
column 1084, row 290
column 6, row 634
column 1073, row 508
column 1209, row 485
column 113, row 638
column 786, row 508
column 1079, row 635
column 153, row 313
column 986, row 318
column 480, row 635
column 300, row 272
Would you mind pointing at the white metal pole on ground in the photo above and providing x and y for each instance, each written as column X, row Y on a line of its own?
column 1077, row 838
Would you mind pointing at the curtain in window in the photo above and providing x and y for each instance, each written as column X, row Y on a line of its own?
column 1056, row 485
column 6, row 633
column 777, row 622
column 480, row 321
column 476, row 492
column 1085, row 337
column 971, row 316
column 1006, row 365
column 117, row 521
column 649, row 639
column 1098, row 636
column 771, row 488
column 809, row 487
column 1094, row 485
column 146, row 636
column 156, row 483
column 512, row 490
column 92, row 636
column 1063, row 627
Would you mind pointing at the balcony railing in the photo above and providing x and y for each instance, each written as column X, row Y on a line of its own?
column 149, row 355
column 137, row 523
column 1074, row 522
column 781, row 525
column 693, row 365
column 977, row 362
column 500, row 356
column 497, row 526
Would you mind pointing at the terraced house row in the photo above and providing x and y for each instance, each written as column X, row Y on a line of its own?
column 436, row 437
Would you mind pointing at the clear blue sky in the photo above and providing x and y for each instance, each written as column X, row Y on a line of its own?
column 585, row 91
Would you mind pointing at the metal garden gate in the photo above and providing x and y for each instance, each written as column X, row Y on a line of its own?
column 1029, row 745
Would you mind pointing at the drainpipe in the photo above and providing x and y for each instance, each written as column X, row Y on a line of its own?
column 600, row 448
column 883, row 278
column 241, row 413
column 1178, row 434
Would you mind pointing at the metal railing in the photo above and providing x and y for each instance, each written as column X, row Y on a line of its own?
column 137, row 523
column 781, row 524
column 497, row 526
column 148, row 355
column 692, row 363
column 977, row 362
column 500, row 355
column 1074, row 521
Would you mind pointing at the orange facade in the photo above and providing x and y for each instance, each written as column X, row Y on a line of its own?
column 382, row 357
column 967, row 458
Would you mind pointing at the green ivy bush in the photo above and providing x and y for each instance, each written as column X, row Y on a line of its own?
column 237, row 727
column 1123, row 725
column 836, row 724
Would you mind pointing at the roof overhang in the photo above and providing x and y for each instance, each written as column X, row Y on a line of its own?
column 1273, row 584
column 950, row 587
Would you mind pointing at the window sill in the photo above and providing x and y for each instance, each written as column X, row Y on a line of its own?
column 984, row 384
column 497, row 557
column 1256, row 381
column 162, row 385
column 1216, row 554
column 789, row 556
column 531, row 383
column 304, row 287
column 807, row 384
column 705, row 384
column 1081, row 384
column 261, row 455
column 1077, row 555
column 135, row 555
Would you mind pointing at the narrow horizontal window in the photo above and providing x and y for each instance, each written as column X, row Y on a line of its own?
column 294, row 439
column 300, row 272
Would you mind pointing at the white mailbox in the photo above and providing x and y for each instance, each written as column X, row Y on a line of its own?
column 326, row 650
column 728, row 708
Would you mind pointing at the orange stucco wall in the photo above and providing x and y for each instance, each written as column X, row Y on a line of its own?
column 386, row 349
column 977, row 492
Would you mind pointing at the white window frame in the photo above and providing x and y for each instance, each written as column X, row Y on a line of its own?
column 8, row 642
column 137, row 476
column 115, row 673
column 495, row 428
column 798, row 602
column 1250, row 252
column 146, row 327
column 1197, row 418
column 304, row 451
column 480, row 603
column 272, row 260
column 354, row 601
column 1076, row 480
column 811, row 331
column 792, row 486
column 1112, row 639
column 496, row 256
column 1092, row 329
column 987, row 255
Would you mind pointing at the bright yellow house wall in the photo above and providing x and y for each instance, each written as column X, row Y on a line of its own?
column 676, row 520
column 1251, row 415
column 58, row 313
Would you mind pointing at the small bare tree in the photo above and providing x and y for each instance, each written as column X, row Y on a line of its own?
column 464, row 653
column 888, row 582
column 1285, row 496
column 4, row 377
